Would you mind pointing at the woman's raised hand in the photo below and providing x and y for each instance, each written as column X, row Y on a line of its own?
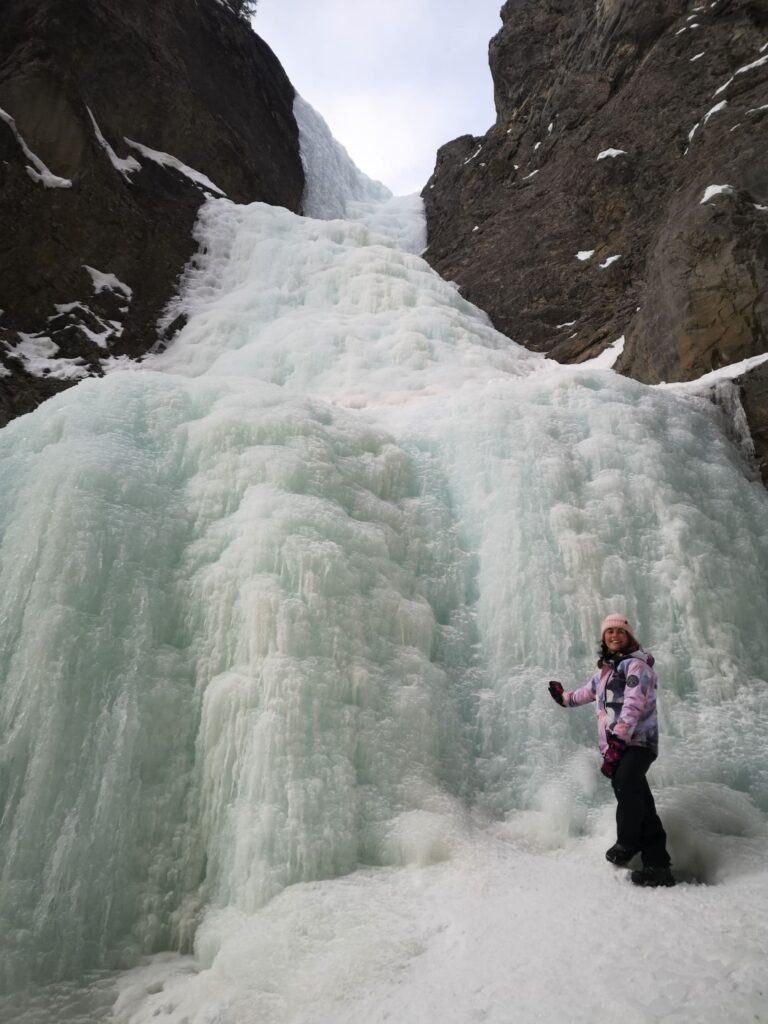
column 556, row 692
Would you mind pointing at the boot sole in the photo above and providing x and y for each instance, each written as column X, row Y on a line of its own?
column 643, row 883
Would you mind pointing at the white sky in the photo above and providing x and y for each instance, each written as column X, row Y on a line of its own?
column 393, row 80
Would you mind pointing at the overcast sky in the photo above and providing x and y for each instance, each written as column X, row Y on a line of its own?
column 394, row 79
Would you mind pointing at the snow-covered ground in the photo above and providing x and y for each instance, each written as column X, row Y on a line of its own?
column 499, row 933
column 277, row 613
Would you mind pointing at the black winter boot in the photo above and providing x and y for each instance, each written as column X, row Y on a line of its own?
column 619, row 856
column 653, row 877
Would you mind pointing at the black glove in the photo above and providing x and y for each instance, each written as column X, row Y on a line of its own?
column 556, row 692
column 612, row 756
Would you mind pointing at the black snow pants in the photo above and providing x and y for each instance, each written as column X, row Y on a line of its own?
column 638, row 826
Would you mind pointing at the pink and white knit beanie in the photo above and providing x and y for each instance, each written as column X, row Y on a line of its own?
column 616, row 622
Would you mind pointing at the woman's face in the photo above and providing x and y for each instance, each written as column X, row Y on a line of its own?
column 616, row 639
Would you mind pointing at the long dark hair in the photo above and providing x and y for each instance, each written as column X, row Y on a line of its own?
column 604, row 656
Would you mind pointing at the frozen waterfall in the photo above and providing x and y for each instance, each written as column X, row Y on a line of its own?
column 278, row 611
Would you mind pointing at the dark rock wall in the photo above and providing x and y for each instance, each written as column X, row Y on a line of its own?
column 507, row 213
column 753, row 395
column 188, row 79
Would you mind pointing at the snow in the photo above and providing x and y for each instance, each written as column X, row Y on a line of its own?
column 607, row 358
column 101, row 338
column 38, row 172
column 531, row 175
column 110, row 329
column 609, row 261
column 107, row 282
column 707, row 116
column 68, row 307
column 698, row 56
column 475, row 154
column 495, row 935
column 121, row 364
column 39, row 357
column 166, row 160
column 124, row 166
column 714, row 110
column 760, row 62
column 277, row 612
column 716, row 190
column 585, row 254
column 730, row 372
column 611, row 153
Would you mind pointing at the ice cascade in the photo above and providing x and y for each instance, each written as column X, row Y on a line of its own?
column 284, row 601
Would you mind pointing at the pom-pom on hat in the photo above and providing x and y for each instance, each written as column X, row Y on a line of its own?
column 614, row 621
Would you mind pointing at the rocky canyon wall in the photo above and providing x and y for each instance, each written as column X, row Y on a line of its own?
column 116, row 120
column 623, row 190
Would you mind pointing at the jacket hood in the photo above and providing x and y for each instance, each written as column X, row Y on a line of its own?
column 614, row 660
column 642, row 655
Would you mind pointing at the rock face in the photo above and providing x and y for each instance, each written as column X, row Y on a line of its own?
column 97, row 228
column 753, row 394
column 624, row 187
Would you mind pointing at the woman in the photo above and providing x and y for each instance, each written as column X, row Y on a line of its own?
column 624, row 689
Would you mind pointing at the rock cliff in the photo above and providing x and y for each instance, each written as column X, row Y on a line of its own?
column 116, row 120
column 623, row 190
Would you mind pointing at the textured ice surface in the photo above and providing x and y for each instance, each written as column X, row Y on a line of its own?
column 332, row 179
column 285, row 603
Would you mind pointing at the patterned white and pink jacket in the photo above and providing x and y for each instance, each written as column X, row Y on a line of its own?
column 625, row 696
